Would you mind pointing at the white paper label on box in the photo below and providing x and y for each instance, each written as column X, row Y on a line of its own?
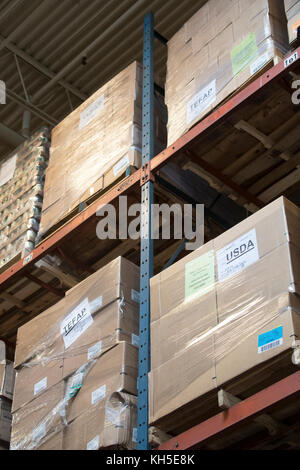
column 94, row 350
column 238, row 255
column 201, row 101
column 40, row 386
column 98, row 394
column 121, row 165
column 135, row 340
column 135, row 296
column 7, row 170
column 91, row 112
column 134, row 435
column 76, row 384
column 259, row 63
column 93, row 444
column 39, row 432
column 76, row 323
column 96, row 304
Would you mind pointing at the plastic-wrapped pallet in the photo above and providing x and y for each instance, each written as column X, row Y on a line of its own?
column 226, row 315
column 95, row 145
column 216, row 52
column 21, row 195
column 292, row 8
column 77, row 364
column 7, row 376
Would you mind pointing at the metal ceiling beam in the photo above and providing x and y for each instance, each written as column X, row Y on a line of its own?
column 9, row 136
column 43, row 69
column 31, row 107
column 100, row 39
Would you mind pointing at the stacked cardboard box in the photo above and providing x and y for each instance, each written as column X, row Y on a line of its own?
column 77, row 364
column 7, row 376
column 219, row 49
column 97, row 143
column 21, row 189
column 226, row 312
column 292, row 8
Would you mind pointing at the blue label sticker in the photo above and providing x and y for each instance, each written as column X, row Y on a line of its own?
column 270, row 339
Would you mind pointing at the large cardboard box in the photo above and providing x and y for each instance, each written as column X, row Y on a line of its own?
column 34, row 423
column 93, row 146
column 7, row 374
column 224, row 45
column 258, row 344
column 5, row 419
column 109, row 424
column 292, row 8
column 49, row 335
column 115, row 370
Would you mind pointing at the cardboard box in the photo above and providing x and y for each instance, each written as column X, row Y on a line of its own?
column 7, row 379
column 190, row 278
column 115, row 370
column 38, row 420
column 224, row 45
column 109, row 424
column 50, row 336
column 97, row 142
column 182, row 380
column 250, row 347
column 118, row 321
column 33, row 380
column 5, row 419
column 55, row 442
column 292, row 8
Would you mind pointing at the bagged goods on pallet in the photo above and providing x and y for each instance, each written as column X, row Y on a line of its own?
column 21, row 187
column 232, row 319
column 218, row 50
column 292, row 8
column 72, row 360
column 97, row 143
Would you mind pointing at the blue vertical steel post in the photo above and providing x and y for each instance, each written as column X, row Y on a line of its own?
column 146, row 270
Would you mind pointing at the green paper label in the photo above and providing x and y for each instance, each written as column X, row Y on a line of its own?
column 199, row 275
column 243, row 54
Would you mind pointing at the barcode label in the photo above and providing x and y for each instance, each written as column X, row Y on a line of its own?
column 270, row 340
column 269, row 346
column 98, row 394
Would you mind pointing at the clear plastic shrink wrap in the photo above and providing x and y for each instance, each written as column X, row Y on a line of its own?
column 93, row 146
column 227, row 314
column 21, row 195
column 216, row 52
column 78, row 360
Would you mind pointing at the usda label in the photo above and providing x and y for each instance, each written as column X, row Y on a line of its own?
column 237, row 256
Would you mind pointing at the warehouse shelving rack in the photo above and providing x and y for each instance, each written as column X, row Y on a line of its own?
column 73, row 239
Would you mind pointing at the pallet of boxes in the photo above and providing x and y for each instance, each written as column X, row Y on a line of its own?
column 98, row 144
column 7, row 376
column 224, row 46
column 227, row 316
column 22, row 178
column 76, row 367
column 292, row 8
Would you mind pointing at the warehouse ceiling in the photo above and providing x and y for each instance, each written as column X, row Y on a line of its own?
column 56, row 53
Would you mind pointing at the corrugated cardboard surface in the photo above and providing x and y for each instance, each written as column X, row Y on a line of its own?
column 107, row 424
column 193, row 343
column 5, row 419
column 292, row 8
column 219, row 49
column 92, row 147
